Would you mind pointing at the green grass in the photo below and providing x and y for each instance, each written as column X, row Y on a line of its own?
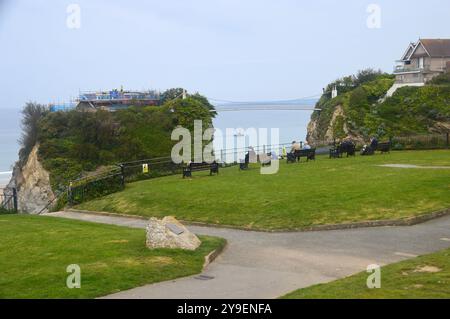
column 299, row 195
column 35, row 251
column 406, row 279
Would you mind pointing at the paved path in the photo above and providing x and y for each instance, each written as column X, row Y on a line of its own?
column 267, row 265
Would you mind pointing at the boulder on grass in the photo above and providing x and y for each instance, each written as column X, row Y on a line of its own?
column 170, row 233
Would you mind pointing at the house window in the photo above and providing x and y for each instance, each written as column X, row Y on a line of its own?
column 421, row 64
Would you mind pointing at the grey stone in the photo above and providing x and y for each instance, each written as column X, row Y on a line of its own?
column 170, row 233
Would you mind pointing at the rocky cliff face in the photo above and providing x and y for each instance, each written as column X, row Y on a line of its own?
column 323, row 134
column 32, row 182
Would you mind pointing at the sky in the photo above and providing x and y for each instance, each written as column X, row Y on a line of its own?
column 225, row 49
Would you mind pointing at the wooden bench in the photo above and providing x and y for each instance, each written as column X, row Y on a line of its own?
column 335, row 153
column 196, row 167
column 348, row 148
column 310, row 154
column 384, row 147
column 263, row 159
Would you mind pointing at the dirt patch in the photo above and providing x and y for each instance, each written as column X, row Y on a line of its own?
column 429, row 269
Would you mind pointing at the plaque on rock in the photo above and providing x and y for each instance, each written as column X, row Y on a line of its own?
column 175, row 229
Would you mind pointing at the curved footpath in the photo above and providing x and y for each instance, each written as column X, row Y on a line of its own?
column 268, row 265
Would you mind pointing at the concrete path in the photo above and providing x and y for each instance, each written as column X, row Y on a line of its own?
column 267, row 265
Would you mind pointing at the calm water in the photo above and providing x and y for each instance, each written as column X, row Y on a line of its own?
column 9, row 147
column 291, row 124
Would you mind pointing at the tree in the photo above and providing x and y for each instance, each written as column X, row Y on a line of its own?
column 171, row 94
column 32, row 113
column 185, row 111
column 367, row 75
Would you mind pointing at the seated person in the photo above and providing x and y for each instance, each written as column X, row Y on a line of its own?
column 250, row 157
column 374, row 143
column 306, row 146
column 295, row 147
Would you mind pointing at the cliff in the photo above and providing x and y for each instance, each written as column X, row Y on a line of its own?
column 362, row 110
column 32, row 182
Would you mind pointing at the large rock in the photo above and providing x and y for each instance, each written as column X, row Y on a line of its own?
column 170, row 233
column 32, row 182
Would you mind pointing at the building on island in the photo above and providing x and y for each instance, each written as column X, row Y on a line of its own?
column 109, row 100
column 116, row 99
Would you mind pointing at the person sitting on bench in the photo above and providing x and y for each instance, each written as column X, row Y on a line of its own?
column 306, row 146
column 374, row 144
column 294, row 148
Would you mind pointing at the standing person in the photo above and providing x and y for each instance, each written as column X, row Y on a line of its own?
column 283, row 152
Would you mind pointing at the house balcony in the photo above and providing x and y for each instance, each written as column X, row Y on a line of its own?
column 402, row 69
column 405, row 69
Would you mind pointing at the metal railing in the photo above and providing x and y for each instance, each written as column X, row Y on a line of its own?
column 8, row 200
column 421, row 142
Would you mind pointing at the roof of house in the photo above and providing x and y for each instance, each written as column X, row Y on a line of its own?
column 436, row 47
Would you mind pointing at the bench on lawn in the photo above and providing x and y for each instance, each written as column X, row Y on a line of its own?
column 196, row 167
column 347, row 147
column 310, row 154
column 384, row 147
column 262, row 158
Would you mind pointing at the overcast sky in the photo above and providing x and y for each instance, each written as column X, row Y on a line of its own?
column 229, row 49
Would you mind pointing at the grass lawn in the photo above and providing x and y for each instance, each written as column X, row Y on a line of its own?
column 35, row 251
column 322, row 192
column 427, row 276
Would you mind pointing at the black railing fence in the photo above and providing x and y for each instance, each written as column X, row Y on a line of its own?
column 94, row 186
column 8, row 200
column 114, row 180
column 421, row 142
column 149, row 168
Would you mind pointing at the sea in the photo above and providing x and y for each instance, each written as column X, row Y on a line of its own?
column 9, row 146
column 291, row 124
